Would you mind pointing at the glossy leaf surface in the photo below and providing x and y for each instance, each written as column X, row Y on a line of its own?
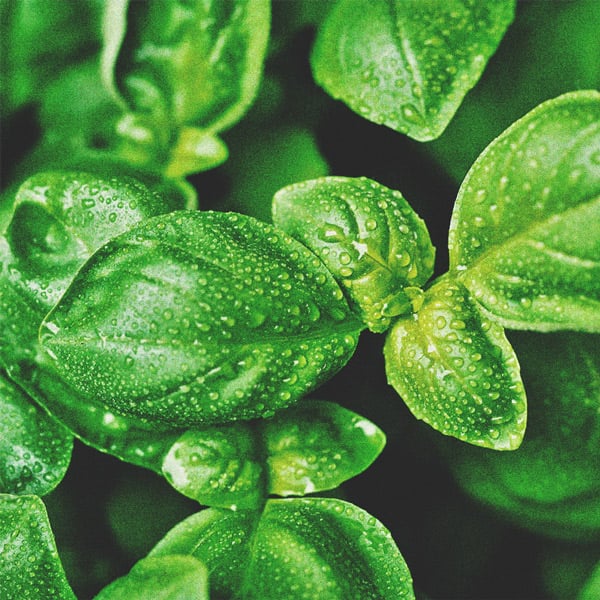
column 29, row 562
column 551, row 483
column 196, row 64
column 35, row 450
column 524, row 234
column 407, row 64
column 298, row 548
column 456, row 370
column 310, row 447
column 369, row 237
column 161, row 578
column 200, row 317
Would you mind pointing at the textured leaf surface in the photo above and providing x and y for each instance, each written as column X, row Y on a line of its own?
column 161, row 578
column 35, row 450
column 367, row 235
column 299, row 548
column 198, row 64
column 407, row 64
column 200, row 317
column 30, row 568
column 456, row 370
column 525, row 234
column 551, row 483
column 310, row 447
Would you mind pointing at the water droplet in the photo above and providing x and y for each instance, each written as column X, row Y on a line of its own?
column 411, row 114
column 331, row 233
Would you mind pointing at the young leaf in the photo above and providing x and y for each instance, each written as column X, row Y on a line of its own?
column 299, row 548
column 310, row 447
column 524, row 237
column 35, row 450
column 30, row 568
column 200, row 317
column 407, row 64
column 316, row 446
column 551, row 484
column 457, row 371
column 195, row 65
column 161, row 578
column 367, row 235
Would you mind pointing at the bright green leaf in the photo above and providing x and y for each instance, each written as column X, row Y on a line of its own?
column 591, row 588
column 524, row 236
column 218, row 466
column 316, row 446
column 456, row 370
column 160, row 578
column 310, row 447
column 367, row 235
column 35, row 450
column 200, row 317
column 551, row 483
column 30, row 568
column 324, row 548
column 195, row 65
column 407, row 64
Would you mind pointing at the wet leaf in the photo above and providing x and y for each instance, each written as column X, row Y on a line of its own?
column 35, row 450
column 161, row 578
column 367, row 235
column 30, row 568
column 456, row 370
column 407, row 64
column 310, row 447
column 523, row 237
column 297, row 548
column 200, row 317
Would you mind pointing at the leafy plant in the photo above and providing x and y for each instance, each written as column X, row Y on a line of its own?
column 187, row 338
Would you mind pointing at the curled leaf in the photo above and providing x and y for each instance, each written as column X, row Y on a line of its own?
column 369, row 237
column 316, row 547
column 200, row 317
column 456, row 370
column 407, row 64
column 524, row 236
column 29, row 562
column 35, row 450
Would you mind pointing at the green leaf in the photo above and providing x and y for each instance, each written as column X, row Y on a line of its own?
column 195, row 65
column 591, row 588
column 316, row 446
column 298, row 548
column 522, row 237
column 367, row 235
column 219, row 466
column 161, row 578
column 551, row 483
column 310, row 447
column 407, row 64
column 30, row 568
column 456, row 370
column 200, row 317
column 35, row 450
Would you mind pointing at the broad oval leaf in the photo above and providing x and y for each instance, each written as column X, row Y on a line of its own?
column 298, row 548
column 367, row 235
column 456, row 370
column 198, row 64
column 198, row 318
column 173, row 577
column 524, row 235
column 310, row 447
column 35, row 450
column 551, row 484
column 30, row 567
column 407, row 64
